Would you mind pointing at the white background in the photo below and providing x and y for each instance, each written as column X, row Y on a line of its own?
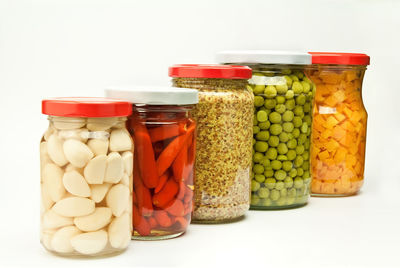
column 77, row 48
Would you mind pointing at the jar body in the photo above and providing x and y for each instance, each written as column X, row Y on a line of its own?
column 283, row 98
column 165, row 145
column 339, row 133
column 223, row 158
column 86, row 186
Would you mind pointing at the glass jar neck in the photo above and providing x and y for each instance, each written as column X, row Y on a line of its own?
column 205, row 84
column 52, row 118
column 161, row 112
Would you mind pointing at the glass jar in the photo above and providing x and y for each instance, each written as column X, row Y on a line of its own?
column 340, row 123
column 223, row 159
column 86, row 175
column 164, row 138
column 283, row 97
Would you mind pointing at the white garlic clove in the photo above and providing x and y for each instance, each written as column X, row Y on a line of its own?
column 95, row 170
column 115, row 168
column 61, row 241
column 127, row 157
column 119, row 231
column 98, row 146
column 71, row 167
column 52, row 181
column 45, row 238
column 125, row 180
column 48, row 133
column 77, row 153
column 76, row 184
column 44, row 157
column 117, row 199
column 100, row 218
column 81, row 134
column 120, row 140
column 74, row 207
column 63, row 123
column 101, row 124
column 55, row 150
column 47, row 202
column 90, row 243
column 52, row 220
column 99, row 191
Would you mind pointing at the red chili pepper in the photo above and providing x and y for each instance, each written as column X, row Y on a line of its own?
column 140, row 223
column 188, row 196
column 169, row 154
column 162, row 218
column 167, row 131
column 176, row 208
column 181, row 222
column 182, row 190
column 167, row 193
column 145, row 156
column 190, row 159
column 180, row 163
column 152, row 222
column 134, row 198
column 143, row 195
column 163, row 179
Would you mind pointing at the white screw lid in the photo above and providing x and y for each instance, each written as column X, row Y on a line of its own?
column 263, row 57
column 154, row 95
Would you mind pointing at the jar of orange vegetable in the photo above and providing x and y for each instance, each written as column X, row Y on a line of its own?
column 339, row 125
column 164, row 139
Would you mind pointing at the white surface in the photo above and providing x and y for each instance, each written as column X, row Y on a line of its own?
column 263, row 56
column 78, row 47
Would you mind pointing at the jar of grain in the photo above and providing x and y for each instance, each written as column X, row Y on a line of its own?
column 224, row 117
column 86, row 177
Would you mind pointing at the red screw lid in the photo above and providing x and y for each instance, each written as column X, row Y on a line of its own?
column 86, row 107
column 339, row 58
column 210, row 71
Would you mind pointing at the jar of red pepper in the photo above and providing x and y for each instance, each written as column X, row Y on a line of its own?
column 164, row 140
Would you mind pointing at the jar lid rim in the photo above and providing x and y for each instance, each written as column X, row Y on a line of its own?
column 264, row 57
column 210, row 71
column 340, row 58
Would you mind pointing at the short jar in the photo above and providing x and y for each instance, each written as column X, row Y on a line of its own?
column 224, row 118
column 283, row 98
column 164, row 135
column 340, row 123
column 86, row 177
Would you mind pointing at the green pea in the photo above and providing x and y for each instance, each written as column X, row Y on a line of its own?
column 307, row 107
column 273, row 140
column 290, row 200
column 287, row 116
column 262, row 135
column 249, row 88
column 300, row 171
column 304, row 127
column 297, row 87
column 276, row 164
column 261, row 146
column 280, row 175
column 292, row 192
column 286, row 71
column 264, row 125
column 289, row 94
column 306, row 86
column 299, row 149
column 259, row 89
column 307, row 119
column 258, row 101
column 289, row 80
column 254, row 200
column 254, row 141
column 269, row 173
column 280, row 185
column 259, row 177
column 283, row 137
column 282, row 157
column 270, row 183
column 280, row 108
column 256, row 129
column 290, row 104
column 284, row 192
column 307, row 144
column 301, row 99
column 263, row 192
column 293, row 173
column 294, row 78
column 275, row 117
column 306, row 175
column 255, row 122
column 266, row 203
column 297, row 122
column 275, row 194
column 298, row 161
column 270, row 91
column 271, row 153
column 281, row 89
column 298, row 182
column 275, row 129
column 296, row 133
column 258, row 169
column 280, row 99
column 287, row 166
column 257, row 157
column 291, row 144
column 299, row 74
column 302, row 138
column 281, row 201
column 255, row 185
column 262, row 116
column 306, row 156
column 298, row 110
column 265, row 162
column 288, row 127
column 282, row 148
column 291, row 154
column 288, row 182
column 305, row 166
column 270, row 103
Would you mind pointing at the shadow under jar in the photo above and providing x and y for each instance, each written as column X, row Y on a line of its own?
column 86, row 172
column 283, row 99
column 340, row 123
column 165, row 142
column 224, row 117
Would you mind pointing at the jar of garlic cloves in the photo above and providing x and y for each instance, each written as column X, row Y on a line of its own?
column 86, row 177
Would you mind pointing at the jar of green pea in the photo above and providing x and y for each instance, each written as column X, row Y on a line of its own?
column 283, row 101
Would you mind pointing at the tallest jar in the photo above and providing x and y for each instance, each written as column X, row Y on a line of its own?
column 224, row 118
column 283, row 97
